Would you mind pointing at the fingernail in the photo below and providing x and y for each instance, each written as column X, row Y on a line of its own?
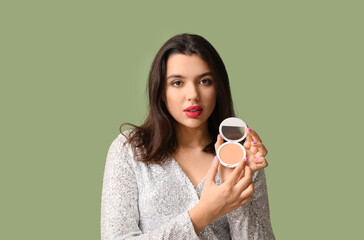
column 249, row 129
column 254, row 142
column 217, row 137
column 256, row 159
column 214, row 159
column 245, row 159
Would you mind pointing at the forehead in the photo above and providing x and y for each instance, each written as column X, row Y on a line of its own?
column 186, row 65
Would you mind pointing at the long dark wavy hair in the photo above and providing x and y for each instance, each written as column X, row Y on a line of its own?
column 155, row 140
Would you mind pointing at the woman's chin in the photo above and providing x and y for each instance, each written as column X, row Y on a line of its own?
column 193, row 123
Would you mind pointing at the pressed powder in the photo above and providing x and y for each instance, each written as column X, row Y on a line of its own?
column 232, row 152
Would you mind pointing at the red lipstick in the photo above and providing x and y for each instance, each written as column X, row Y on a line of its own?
column 193, row 111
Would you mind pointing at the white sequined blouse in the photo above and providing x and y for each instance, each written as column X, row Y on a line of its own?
column 151, row 201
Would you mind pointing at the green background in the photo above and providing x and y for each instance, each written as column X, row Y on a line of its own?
column 73, row 71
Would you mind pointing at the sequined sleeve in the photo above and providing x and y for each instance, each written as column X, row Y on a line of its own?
column 119, row 202
column 252, row 221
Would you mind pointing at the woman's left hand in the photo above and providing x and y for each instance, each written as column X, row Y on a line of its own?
column 255, row 153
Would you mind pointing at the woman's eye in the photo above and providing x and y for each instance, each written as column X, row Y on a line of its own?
column 206, row 81
column 177, row 83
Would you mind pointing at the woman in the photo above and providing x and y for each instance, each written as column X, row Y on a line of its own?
column 162, row 179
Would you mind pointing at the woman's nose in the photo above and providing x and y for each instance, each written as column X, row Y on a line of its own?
column 192, row 93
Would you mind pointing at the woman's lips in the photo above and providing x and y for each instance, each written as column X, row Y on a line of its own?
column 193, row 111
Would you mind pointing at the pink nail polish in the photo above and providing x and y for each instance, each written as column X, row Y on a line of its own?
column 254, row 142
column 214, row 159
column 245, row 159
column 249, row 129
column 256, row 159
column 217, row 137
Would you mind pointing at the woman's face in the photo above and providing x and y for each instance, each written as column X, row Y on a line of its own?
column 190, row 94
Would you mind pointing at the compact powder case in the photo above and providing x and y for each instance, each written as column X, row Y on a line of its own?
column 232, row 152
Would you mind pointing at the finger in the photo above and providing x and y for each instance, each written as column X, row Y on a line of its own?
column 233, row 177
column 247, row 191
column 245, row 201
column 262, row 151
column 260, row 162
column 254, row 135
column 249, row 138
column 242, row 174
column 246, row 180
column 254, row 147
column 210, row 178
column 256, row 144
column 220, row 172
column 219, row 142
column 259, row 148
column 247, row 144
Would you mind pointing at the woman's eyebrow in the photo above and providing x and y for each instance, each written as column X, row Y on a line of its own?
column 180, row 76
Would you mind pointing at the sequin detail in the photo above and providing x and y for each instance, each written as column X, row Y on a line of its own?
column 148, row 201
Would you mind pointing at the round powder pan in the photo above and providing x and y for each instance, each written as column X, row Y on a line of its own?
column 232, row 152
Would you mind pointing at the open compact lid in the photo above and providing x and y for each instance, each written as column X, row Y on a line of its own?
column 233, row 129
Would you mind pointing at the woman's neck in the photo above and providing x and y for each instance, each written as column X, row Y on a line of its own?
column 192, row 138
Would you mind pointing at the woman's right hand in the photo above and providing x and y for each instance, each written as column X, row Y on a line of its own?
column 218, row 200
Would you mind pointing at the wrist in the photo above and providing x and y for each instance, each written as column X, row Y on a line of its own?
column 200, row 217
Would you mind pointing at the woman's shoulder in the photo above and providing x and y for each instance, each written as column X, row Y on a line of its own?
column 121, row 138
column 120, row 146
column 119, row 164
